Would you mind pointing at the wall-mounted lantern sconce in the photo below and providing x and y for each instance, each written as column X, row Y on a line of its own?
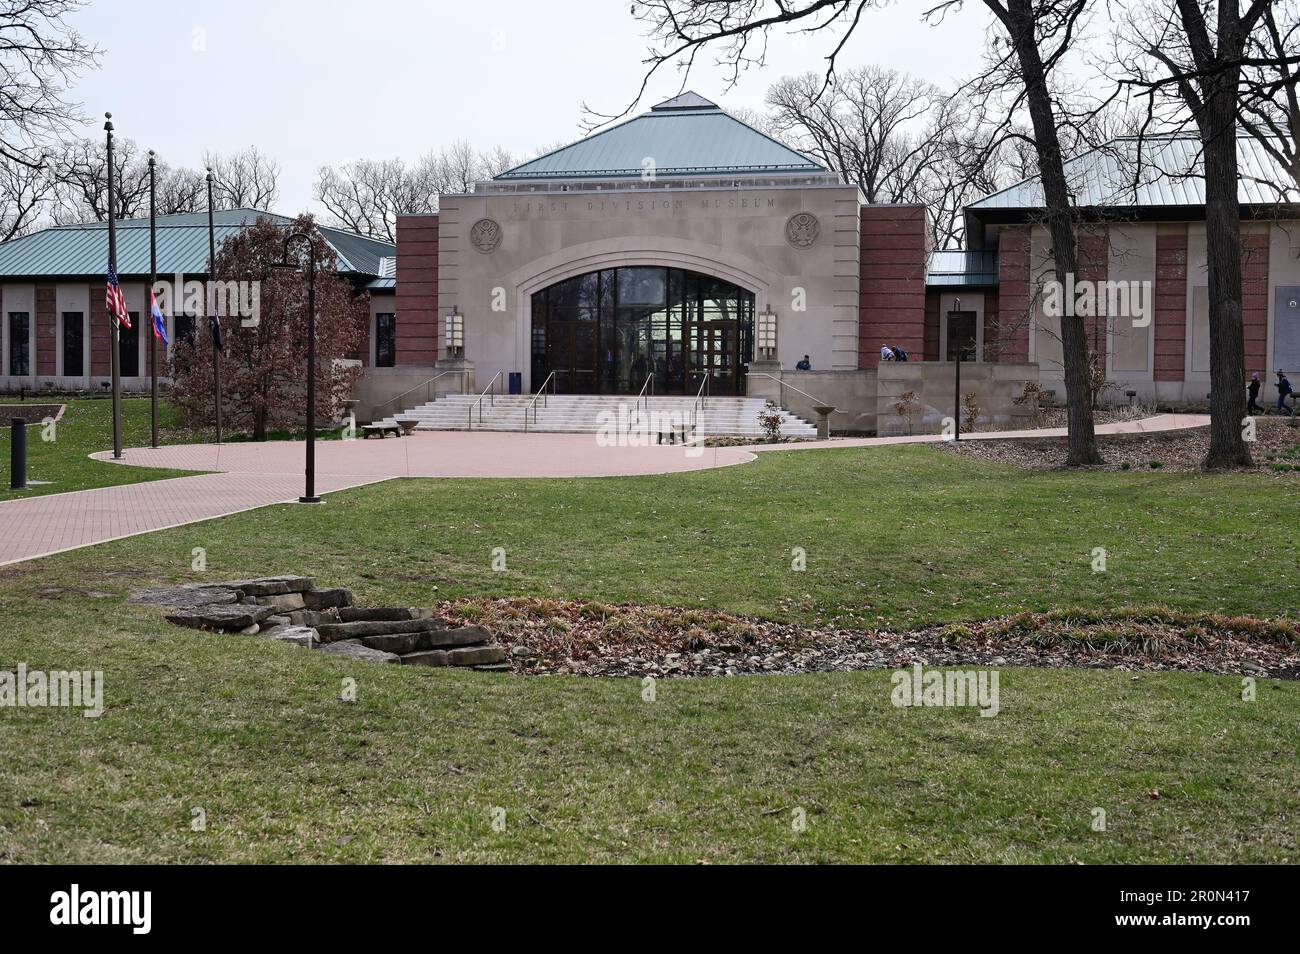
column 455, row 335
column 766, row 334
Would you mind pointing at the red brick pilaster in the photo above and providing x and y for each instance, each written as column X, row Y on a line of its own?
column 417, row 289
column 46, row 331
column 1170, row 319
column 1010, row 319
column 100, row 334
column 891, row 296
column 1254, row 301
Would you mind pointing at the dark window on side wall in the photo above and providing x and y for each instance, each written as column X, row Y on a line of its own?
column 19, row 344
column 128, row 348
column 385, row 340
column 74, row 335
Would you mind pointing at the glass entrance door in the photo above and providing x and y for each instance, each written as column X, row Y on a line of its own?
column 714, row 350
column 609, row 331
column 571, row 354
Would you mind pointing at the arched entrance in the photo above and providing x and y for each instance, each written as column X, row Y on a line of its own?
column 606, row 331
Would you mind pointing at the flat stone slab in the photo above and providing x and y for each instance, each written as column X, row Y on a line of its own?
column 272, row 585
column 382, row 614
column 228, row 617
column 282, row 602
column 187, row 595
column 428, row 639
column 354, row 650
column 329, row 633
column 306, row 617
column 298, row 635
column 315, row 599
column 472, row 656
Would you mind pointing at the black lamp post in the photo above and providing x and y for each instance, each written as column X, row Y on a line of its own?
column 310, row 496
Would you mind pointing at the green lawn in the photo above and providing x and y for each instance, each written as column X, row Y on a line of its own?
column 87, row 427
column 255, row 735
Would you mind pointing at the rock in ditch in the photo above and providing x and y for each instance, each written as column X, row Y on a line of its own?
column 428, row 639
column 354, row 650
column 326, row 599
column 382, row 614
column 229, row 617
column 470, row 656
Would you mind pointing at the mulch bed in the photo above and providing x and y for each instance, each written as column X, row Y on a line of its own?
column 548, row 636
column 30, row 412
column 1276, row 450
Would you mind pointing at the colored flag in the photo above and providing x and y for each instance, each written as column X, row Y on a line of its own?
column 159, row 322
column 216, row 330
column 116, row 301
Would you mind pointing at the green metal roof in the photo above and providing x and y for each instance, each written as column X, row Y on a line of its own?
column 82, row 250
column 685, row 136
column 958, row 268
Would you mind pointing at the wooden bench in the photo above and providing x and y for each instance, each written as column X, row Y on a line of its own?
column 383, row 430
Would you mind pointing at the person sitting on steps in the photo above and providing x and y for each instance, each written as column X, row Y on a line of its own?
column 804, row 365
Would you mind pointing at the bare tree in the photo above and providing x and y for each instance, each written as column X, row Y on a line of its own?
column 1195, row 54
column 1270, row 96
column 875, row 127
column 40, row 56
column 180, row 190
column 366, row 195
column 24, row 194
column 81, row 181
column 246, row 179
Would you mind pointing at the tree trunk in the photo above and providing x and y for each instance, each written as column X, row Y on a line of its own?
column 1082, row 439
column 1223, row 249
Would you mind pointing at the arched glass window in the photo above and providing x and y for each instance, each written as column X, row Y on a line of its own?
column 608, row 331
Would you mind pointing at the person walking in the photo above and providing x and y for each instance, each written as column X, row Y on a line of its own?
column 1284, row 389
column 1253, row 405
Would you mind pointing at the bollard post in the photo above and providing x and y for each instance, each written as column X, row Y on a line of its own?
column 18, row 455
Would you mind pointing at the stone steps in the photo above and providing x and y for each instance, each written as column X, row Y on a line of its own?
column 295, row 610
column 571, row 413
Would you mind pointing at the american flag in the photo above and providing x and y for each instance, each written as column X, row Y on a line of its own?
column 115, row 300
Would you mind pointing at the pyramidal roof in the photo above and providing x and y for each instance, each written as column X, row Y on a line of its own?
column 683, row 136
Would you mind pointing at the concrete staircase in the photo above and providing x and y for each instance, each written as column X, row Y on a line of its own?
column 591, row 413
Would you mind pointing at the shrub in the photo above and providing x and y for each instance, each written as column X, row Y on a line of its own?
column 769, row 419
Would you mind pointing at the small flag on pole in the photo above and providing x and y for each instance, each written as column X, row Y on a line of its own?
column 116, row 301
column 159, row 322
column 215, row 322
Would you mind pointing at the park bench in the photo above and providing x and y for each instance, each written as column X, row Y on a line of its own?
column 383, row 430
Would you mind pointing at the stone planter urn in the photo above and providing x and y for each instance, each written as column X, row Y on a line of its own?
column 407, row 424
column 824, row 412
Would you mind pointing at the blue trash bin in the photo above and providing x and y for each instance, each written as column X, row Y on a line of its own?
column 516, row 382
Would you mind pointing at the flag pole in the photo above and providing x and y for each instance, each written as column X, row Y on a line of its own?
column 113, row 343
column 211, row 304
column 153, row 277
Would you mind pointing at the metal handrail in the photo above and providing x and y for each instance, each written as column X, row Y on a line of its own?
column 643, row 397
column 764, row 374
column 532, row 405
column 492, row 400
column 422, row 384
column 701, row 399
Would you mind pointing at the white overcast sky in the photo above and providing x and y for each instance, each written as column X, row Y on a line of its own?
column 323, row 82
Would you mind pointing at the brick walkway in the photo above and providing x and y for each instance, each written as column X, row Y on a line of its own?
column 257, row 475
